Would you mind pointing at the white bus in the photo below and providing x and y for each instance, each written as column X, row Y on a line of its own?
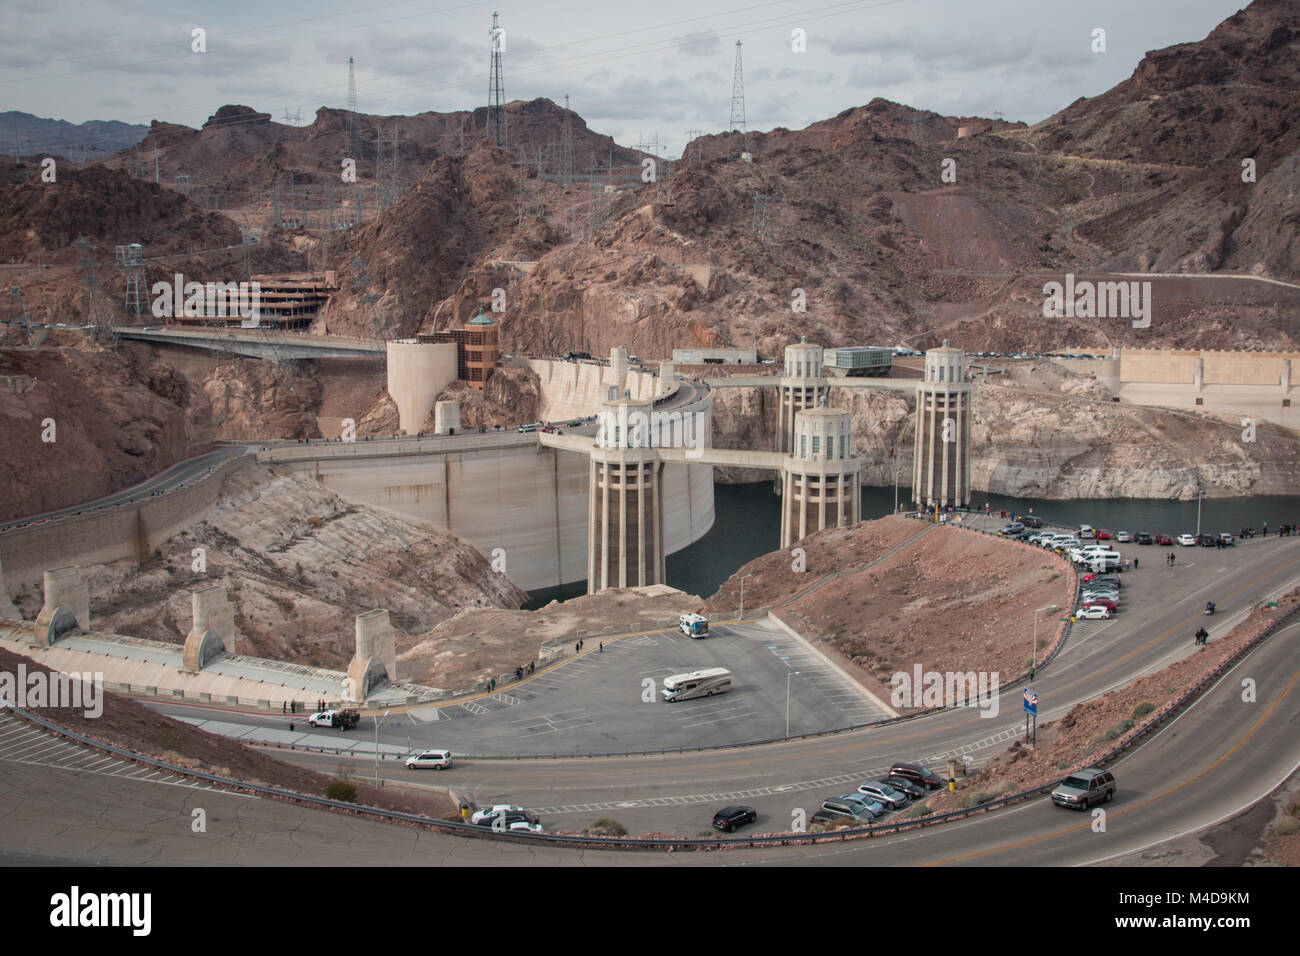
column 705, row 683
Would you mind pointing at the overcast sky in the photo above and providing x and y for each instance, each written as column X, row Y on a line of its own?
column 631, row 68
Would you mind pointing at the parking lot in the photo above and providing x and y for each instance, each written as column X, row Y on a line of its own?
column 610, row 701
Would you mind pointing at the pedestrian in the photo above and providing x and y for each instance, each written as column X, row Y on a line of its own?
column 284, row 708
column 1135, row 564
column 1172, row 558
column 291, row 725
column 602, row 647
column 577, row 647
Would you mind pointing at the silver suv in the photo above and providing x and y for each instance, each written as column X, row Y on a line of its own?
column 1084, row 789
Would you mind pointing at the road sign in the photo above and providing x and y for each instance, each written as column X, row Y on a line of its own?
column 1031, row 702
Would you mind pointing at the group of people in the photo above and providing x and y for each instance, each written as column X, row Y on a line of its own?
column 1202, row 636
column 1282, row 531
column 523, row 669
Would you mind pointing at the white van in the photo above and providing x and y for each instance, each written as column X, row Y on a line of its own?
column 1103, row 561
column 1086, row 532
column 437, row 759
column 693, row 625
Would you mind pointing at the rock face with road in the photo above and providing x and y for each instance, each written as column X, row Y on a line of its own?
column 93, row 423
column 299, row 563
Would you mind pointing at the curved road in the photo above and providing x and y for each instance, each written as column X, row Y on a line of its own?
column 1214, row 761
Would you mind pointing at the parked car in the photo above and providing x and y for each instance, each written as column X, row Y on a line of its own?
column 512, row 820
column 1123, row 537
column 1085, row 789
column 914, row 790
column 1144, row 538
column 1207, row 540
column 437, row 759
column 1086, row 533
column 1093, row 613
column 873, row 806
column 1164, row 539
column 917, row 774
column 1227, row 539
column 852, row 810
column 1092, row 598
column 1032, row 521
column 1108, row 603
column 1187, row 540
column 1093, row 577
column 1103, row 534
column 891, row 797
column 487, row 813
column 1015, row 527
column 728, row 818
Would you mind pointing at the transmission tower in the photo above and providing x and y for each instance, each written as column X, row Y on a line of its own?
column 762, row 215
column 351, row 120
column 17, row 315
column 496, row 116
column 386, row 169
column 738, row 109
column 568, row 142
column 129, row 258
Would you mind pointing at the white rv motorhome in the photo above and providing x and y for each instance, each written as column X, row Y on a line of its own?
column 705, row 683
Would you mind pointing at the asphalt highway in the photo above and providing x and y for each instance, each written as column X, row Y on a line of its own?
column 678, row 793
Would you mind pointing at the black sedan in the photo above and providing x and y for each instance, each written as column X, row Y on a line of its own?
column 729, row 818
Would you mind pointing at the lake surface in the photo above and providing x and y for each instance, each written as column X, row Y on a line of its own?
column 748, row 523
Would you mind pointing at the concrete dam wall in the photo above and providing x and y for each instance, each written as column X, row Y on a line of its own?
column 500, row 491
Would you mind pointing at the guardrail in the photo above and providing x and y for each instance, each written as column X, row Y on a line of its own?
column 1159, row 717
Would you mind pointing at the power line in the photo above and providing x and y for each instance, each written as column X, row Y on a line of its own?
column 744, row 29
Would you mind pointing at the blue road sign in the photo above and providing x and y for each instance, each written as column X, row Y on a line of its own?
column 1031, row 702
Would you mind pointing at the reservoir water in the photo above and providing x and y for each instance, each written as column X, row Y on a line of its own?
column 748, row 523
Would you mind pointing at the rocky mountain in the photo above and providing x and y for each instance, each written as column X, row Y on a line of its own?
column 38, row 136
column 894, row 225
column 117, row 419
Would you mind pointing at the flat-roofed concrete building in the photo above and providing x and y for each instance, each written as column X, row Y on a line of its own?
column 720, row 356
column 941, row 464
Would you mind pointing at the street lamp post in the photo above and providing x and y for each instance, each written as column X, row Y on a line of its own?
column 378, row 721
column 787, row 700
column 741, row 615
column 1199, row 493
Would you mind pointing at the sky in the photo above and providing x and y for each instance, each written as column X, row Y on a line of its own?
column 633, row 69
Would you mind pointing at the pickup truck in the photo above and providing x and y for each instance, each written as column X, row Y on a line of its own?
column 339, row 719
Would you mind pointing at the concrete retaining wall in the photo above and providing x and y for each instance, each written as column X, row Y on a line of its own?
column 122, row 531
column 1221, row 367
column 576, row 389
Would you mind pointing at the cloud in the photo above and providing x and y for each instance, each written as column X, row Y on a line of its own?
column 699, row 44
